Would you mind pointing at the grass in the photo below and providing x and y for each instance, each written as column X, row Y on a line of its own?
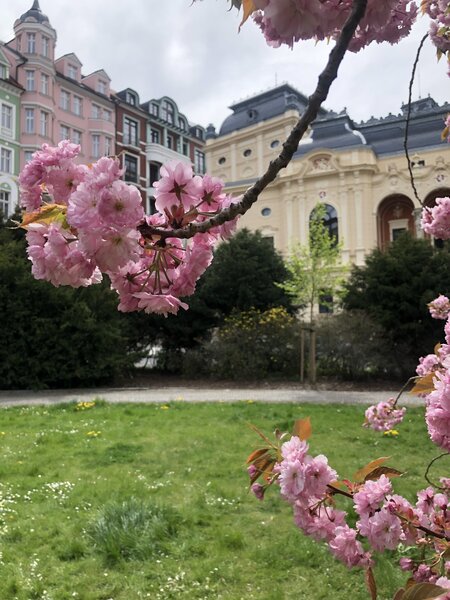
column 123, row 502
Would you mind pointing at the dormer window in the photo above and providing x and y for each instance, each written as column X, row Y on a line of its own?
column 131, row 99
column 182, row 124
column 72, row 71
column 4, row 72
column 154, row 109
column 167, row 112
column 101, row 86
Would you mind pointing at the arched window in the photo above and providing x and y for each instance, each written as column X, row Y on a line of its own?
column 395, row 216
column 330, row 220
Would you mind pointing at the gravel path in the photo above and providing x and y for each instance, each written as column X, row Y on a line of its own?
column 202, row 394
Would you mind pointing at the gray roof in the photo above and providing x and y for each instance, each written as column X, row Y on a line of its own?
column 334, row 131
column 264, row 106
column 34, row 13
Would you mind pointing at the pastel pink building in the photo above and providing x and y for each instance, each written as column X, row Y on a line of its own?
column 58, row 102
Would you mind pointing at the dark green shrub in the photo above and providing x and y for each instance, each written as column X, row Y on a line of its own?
column 350, row 345
column 249, row 345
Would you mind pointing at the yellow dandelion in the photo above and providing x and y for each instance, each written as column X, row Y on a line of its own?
column 391, row 432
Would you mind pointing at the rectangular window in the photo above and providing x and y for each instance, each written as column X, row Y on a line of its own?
column 130, row 132
column 131, row 171
column 108, row 146
column 44, row 124
column 29, row 120
column 64, row 132
column 31, row 43
column 154, row 110
column 154, row 172
column 5, row 160
column 107, row 115
column 167, row 111
column 154, row 136
column 64, row 100
column 169, row 141
column 4, row 203
column 95, row 145
column 101, row 86
column 7, row 119
column 96, row 111
column 76, row 137
column 28, row 154
column 185, row 149
column 72, row 71
column 77, row 105
column 3, row 72
column 45, row 86
column 199, row 162
column 45, row 46
column 29, row 84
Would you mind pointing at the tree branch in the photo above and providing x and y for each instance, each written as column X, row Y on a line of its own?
column 290, row 146
column 408, row 116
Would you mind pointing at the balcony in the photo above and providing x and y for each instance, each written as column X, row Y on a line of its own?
column 102, row 125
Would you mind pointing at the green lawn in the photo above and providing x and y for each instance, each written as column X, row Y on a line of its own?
column 69, row 479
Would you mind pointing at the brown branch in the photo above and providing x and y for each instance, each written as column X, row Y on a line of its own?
column 336, row 490
column 428, row 470
column 408, row 116
column 414, row 378
column 290, row 146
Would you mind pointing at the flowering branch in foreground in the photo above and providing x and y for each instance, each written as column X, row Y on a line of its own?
column 384, row 519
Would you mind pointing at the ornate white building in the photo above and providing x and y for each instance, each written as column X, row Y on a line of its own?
column 359, row 171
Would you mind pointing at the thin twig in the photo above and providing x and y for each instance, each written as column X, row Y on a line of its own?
column 290, row 146
column 414, row 378
column 428, row 470
column 408, row 116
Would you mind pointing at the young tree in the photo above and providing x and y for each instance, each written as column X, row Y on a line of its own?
column 314, row 269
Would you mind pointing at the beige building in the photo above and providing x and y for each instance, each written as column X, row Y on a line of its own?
column 359, row 171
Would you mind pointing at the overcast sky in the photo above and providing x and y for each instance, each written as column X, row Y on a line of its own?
column 194, row 54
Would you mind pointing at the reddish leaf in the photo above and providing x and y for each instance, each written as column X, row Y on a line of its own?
column 371, row 584
column 376, row 473
column 257, row 454
column 302, row 428
column 362, row 473
column 423, row 591
column 424, row 385
column 248, row 8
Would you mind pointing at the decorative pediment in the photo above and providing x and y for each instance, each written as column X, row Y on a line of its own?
column 321, row 163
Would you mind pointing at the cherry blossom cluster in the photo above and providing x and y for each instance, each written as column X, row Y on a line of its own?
column 288, row 21
column 439, row 11
column 384, row 519
column 384, row 416
column 436, row 220
column 84, row 221
column 437, row 366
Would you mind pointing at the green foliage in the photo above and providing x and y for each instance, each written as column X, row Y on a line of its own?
column 394, row 288
column 132, row 529
column 313, row 269
column 244, row 275
column 250, row 345
column 351, row 345
column 56, row 337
